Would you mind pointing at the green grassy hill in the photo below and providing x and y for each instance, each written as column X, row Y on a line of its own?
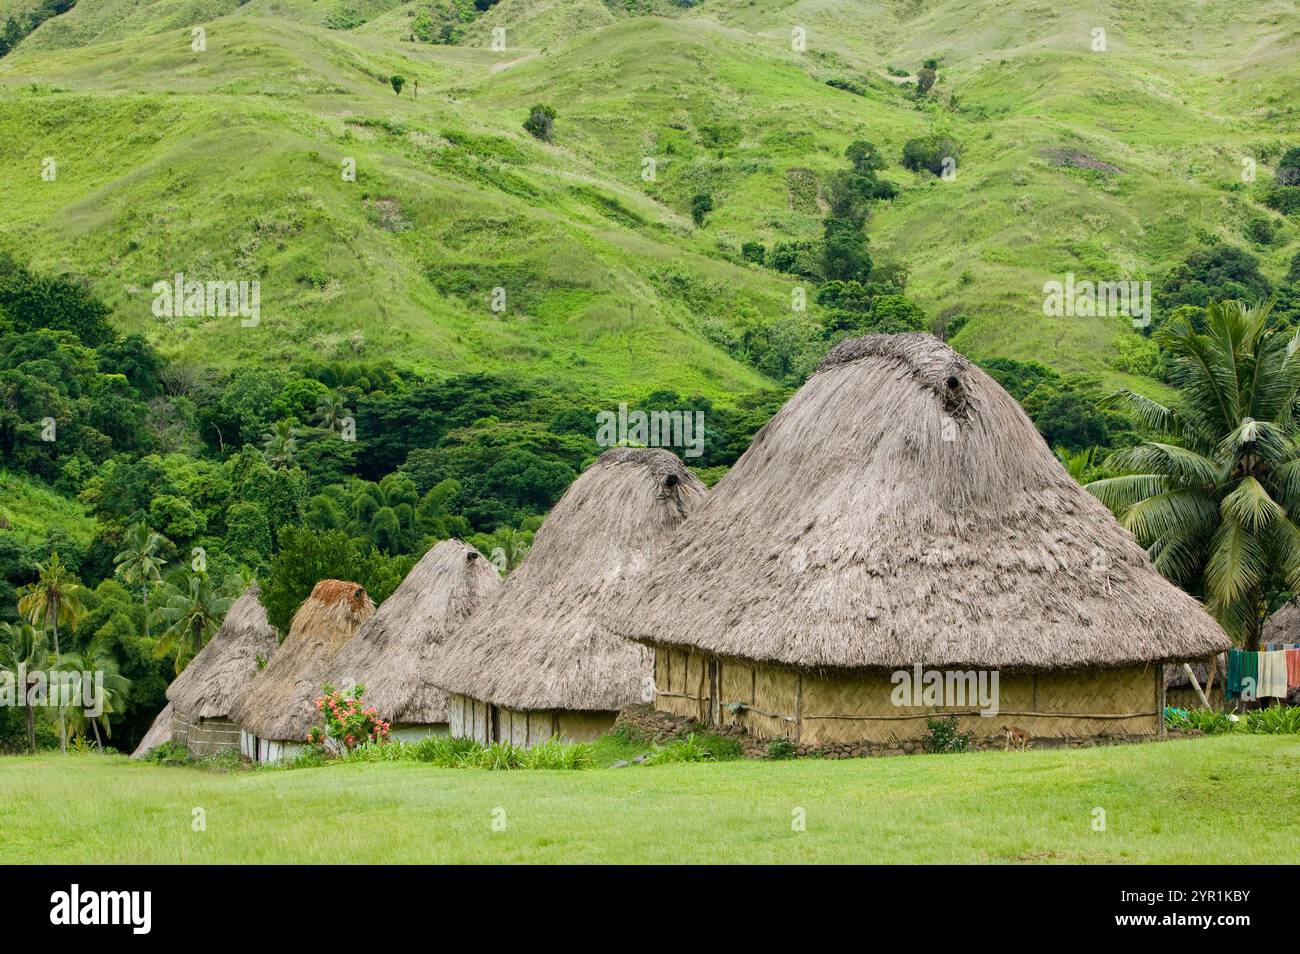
column 226, row 163
column 33, row 511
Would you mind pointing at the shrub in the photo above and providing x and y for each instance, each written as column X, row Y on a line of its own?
column 925, row 78
column 541, row 122
column 313, row 756
column 397, row 82
column 1275, row 720
column 941, row 735
column 169, row 753
column 629, row 734
column 848, row 85
column 501, row 756
column 692, row 748
column 701, row 203
column 554, row 754
column 1205, row 720
column 780, row 749
column 753, row 252
column 929, row 152
column 445, row 752
column 348, row 720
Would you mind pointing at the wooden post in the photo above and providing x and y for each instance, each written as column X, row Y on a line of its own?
column 798, row 709
column 1196, row 685
column 1160, row 700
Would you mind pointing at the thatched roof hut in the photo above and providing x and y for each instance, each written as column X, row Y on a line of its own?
column 393, row 651
column 205, row 693
column 279, row 704
column 223, row 670
column 902, row 509
column 160, row 731
column 526, row 665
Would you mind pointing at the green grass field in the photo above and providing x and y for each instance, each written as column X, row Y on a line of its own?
column 1207, row 800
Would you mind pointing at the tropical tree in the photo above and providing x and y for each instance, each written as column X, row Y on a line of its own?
column 1081, row 465
column 192, row 608
column 1215, row 497
column 96, row 667
column 331, row 411
column 141, row 562
column 54, row 598
column 280, row 444
column 506, row 547
column 22, row 650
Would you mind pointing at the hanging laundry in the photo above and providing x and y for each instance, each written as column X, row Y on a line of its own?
column 1272, row 675
column 1232, row 679
column 1249, row 674
column 1293, row 668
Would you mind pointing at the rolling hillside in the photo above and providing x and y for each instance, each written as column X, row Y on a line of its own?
column 226, row 164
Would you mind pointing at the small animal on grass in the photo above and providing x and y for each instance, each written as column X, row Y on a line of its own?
column 1017, row 738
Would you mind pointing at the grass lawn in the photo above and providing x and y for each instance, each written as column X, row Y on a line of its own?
column 1220, row 799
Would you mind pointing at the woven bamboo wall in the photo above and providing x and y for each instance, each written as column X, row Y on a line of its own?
column 813, row 708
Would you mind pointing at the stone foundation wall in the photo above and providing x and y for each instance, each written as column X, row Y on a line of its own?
column 656, row 726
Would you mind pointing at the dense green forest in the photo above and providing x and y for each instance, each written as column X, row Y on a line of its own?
column 195, row 482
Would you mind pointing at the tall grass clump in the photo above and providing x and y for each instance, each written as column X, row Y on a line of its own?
column 1204, row 720
column 554, row 754
column 1276, row 720
column 696, row 748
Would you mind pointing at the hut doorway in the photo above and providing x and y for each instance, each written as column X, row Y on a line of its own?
column 494, row 729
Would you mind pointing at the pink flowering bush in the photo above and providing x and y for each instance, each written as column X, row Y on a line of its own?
column 348, row 720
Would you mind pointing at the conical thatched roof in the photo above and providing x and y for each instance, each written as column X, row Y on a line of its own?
column 1283, row 626
column 901, row 508
column 279, row 703
column 537, row 645
column 393, row 651
column 160, row 731
column 224, row 669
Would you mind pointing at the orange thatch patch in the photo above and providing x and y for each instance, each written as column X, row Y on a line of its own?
column 278, row 704
column 331, row 592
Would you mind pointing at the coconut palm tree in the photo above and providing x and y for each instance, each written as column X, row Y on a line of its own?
column 94, row 661
column 190, row 611
column 280, row 444
column 54, row 598
column 1215, row 497
column 141, row 562
column 22, row 649
column 331, row 411
column 509, row 547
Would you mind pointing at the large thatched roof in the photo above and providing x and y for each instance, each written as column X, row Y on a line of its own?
column 278, row 705
column 901, row 508
column 393, row 651
column 537, row 645
column 223, row 670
